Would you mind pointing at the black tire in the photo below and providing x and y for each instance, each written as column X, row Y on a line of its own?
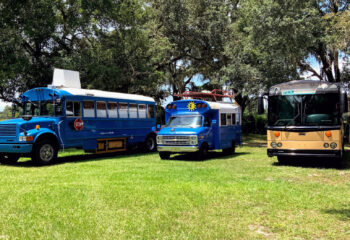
column 9, row 158
column 164, row 155
column 203, row 151
column 151, row 144
column 231, row 150
column 282, row 159
column 44, row 152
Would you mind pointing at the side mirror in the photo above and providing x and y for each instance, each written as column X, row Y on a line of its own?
column 343, row 101
column 261, row 103
column 27, row 117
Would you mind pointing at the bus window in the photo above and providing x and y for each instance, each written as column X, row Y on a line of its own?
column 113, row 109
column 206, row 122
column 132, row 110
column 123, row 110
column 229, row 119
column 223, row 119
column 89, row 109
column 234, row 119
column 73, row 109
column 150, row 112
column 142, row 111
column 101, row 109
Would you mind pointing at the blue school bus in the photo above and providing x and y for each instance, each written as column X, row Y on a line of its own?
column 65, row 116
column 199, row 126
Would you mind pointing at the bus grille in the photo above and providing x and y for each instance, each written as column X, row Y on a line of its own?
column 176, row 140
column 8, row 130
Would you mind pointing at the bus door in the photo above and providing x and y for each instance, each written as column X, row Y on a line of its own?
column 74, row 124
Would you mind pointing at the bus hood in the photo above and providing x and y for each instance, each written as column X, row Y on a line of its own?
column 42, row 121
column 180, row 131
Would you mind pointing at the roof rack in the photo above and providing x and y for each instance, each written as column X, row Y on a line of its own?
column 216, row 95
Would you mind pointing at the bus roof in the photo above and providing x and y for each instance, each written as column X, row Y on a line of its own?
column 300, row 87
column 33, row 93
column 106, row 94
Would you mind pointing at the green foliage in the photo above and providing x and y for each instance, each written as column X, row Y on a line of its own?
column 253, row 123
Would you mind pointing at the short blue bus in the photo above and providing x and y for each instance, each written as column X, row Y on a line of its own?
column 66, row 116
column 199, row 126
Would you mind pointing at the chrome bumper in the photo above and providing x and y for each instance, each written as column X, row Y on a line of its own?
column 178, row 149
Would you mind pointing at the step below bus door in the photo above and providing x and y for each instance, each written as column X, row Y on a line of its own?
column 111, row 145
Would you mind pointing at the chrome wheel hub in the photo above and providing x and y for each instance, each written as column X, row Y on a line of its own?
column 46, row 152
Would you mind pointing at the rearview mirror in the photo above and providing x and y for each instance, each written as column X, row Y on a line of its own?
column 343, row 101
column 261, row 103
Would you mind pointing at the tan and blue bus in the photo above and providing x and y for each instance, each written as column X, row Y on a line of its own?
column 305, row 118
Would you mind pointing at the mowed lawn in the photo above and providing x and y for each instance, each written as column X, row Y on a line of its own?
column 139, row 196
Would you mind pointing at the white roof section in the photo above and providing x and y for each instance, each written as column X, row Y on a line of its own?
column 105, row 94
column 225, row 107
column 66, row 78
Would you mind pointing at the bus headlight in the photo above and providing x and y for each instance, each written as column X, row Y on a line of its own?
column 326, row 145
column 159, row 139
column 26, row 138
column 193, row 140
column 273, row 144
column 333, row 145
column 279, row 144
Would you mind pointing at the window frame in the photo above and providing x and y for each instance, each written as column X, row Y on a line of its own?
column 73, row 101
column 94, row 104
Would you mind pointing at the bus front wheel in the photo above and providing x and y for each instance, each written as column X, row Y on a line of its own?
column 164, row 155
column 8, row 158
column 44, row 152
column 203, row 151
column 282, row 159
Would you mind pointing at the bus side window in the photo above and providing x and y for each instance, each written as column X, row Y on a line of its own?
column 234, row 119
column 101, row 109
column 73, row 109
column 123, row 110
column 132, row 110
column 150, row 112
column 206, row 122
column 77, row 109
column 89, row 109
column 223, row 119
column 229, row 119
column 113, row 110
column 142, row 111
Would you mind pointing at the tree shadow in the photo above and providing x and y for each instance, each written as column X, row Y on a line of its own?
column 318, row 162
column 343, row 214
column 193, row 157
column 81, row 158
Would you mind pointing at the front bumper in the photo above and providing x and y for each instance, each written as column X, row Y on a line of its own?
column 178, row 149
column 16, row 148
column 303, row 153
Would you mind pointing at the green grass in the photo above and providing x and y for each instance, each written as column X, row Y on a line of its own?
column 243, row 196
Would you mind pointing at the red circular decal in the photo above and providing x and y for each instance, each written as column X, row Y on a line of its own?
column 78, row 124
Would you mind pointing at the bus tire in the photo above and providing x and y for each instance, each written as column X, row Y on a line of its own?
column 9, row 158
column 231, row 150
column 150, row 143
column 203, row 151
column 44, row 152
column 164, row 155
column 282, row 159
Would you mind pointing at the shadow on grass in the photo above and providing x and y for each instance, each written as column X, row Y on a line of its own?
column 193, row 157
column 328, row 163
column 81, row 158
column 343, row 214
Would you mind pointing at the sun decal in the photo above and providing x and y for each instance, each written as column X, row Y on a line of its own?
column 191, row 106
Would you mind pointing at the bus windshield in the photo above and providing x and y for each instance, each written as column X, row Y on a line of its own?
column 42, row 108
column 304, row 110
column 185, row 121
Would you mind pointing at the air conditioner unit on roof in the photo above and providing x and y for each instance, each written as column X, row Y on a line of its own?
column 66, row 79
